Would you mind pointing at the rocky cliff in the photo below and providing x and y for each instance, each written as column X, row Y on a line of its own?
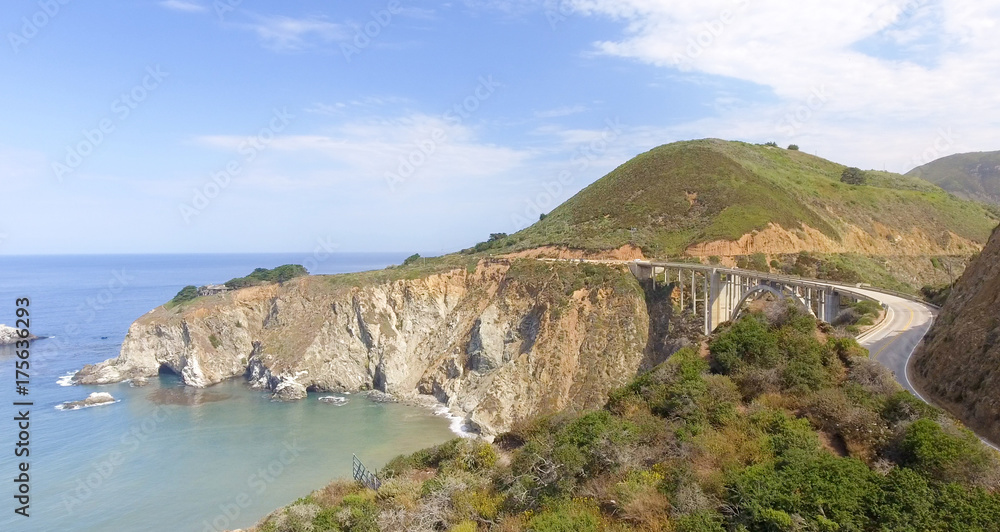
column 498, row 344
column 959, row 364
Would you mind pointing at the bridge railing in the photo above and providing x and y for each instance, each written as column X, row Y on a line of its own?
column 788, row 278
column 849, row 290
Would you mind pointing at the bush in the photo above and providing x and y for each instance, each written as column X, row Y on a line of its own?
column 755, row 261
column 822, row 490
column 263, row 275
column 411, row 259
column 785, row 433
column 701, row 521
column 578, row 515
column 186, row 294
column 903, row 407
column 746, row 342
column 496, row 240
column 853, row 176
column 793, row 147
column 949, row 456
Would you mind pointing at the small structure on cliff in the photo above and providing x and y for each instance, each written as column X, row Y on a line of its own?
column 212, row 289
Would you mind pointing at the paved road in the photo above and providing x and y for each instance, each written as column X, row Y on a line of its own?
column 893, row 343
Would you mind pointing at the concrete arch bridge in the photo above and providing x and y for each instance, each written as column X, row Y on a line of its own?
column 721, row 294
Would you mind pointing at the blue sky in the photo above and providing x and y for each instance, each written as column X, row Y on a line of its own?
column 227, row 126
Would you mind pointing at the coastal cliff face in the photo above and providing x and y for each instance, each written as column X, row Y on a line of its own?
column 959, row 364
column 499, row 344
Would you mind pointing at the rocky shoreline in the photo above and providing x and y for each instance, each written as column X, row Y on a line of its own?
column 497, row 344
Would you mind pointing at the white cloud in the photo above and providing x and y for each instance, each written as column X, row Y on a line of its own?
column 281, row 33
column 365, row 102
column 366, row 151
column 181, row 5
column 879, row 106
column 560, row 112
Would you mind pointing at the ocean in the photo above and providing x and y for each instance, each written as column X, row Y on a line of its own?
column 166, row 457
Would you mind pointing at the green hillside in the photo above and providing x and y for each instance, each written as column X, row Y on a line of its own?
column 974, row 176
column 781, row 429
column 681, row 194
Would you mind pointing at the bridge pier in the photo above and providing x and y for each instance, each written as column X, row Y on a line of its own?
column 724, row 290
column 831, row 307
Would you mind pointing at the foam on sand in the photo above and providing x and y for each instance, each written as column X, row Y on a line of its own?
column 458, row 425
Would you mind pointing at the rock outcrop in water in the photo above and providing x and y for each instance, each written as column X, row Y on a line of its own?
column 94, row 399
column 500, row 344
column 9, row 335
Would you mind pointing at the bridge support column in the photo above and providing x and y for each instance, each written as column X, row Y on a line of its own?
column 694, row 295
column 832, row 306
column 680, row 284
column 715, row 306
column 706, row 302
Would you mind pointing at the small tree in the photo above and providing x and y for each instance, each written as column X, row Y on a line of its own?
column 771, row 144
column 853, row 176
column 542, row 216
column 793, row 147
column 497, row 236
column 411, row 259
column 186, row 294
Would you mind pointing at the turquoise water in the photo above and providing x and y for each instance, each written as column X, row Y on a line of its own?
column 165, row 456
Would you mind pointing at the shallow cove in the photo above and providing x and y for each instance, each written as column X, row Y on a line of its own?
column 167, row 457
column 226, row 455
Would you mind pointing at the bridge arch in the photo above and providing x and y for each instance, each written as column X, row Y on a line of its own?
column 738, row 309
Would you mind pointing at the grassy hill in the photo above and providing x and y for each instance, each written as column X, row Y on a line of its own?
column 676, row 196
column 974, row 176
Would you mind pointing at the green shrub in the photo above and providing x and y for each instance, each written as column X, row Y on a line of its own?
column 214, row 340
column 904, row 406
column 579, row 515
column 949, row 456
column 825, row 491
column 853, row 176
column 186, row 294
column 904, row 502
column 786, row 433
column 747, row 342
column 464, row 526
column 361, row 515
column 411, row 259
column 700, row 521
column 263, row 275
column 793, row 147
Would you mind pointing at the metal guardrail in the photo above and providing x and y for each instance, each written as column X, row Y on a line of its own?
column 364, row 476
